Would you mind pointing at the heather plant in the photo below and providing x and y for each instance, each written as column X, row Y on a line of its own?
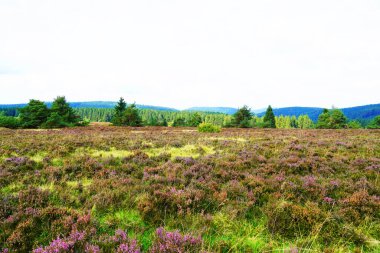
column 240, row 190
column 171, row 242
column 292, row 220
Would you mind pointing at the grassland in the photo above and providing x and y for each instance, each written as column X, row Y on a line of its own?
column 115, row 189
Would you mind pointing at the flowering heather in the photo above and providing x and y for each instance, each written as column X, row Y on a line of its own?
column 175, row 242
column 328, row 200
column 129, row 248
column 155, row 189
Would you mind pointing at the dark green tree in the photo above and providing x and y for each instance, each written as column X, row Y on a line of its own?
column 131, row 117
column 9, row 121
column 54, row 121
column 119, row 110
column 332, row 119
column 62, row 115
column 375, row 123
column 34, row 114
column 195, row 120
column 324, row 120
column 179, row 122
column 162, row 121
column 242, row 117
column 354, row 124
column 338, row 119
column 269, row 118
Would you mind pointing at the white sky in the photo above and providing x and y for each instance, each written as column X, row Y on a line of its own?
column 192, row 52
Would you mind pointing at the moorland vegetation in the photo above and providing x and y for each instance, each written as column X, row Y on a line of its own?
column 115, row 189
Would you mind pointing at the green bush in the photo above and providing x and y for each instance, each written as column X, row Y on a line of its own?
column 9, row 122
column 208, row 128
column 354, row 124
column 375, row 123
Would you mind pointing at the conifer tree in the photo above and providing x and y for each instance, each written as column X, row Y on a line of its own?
column 243, row 117
column 195, row 120
column 61, row 115
column 131, row 116
column 375, row 123
column 34, row 114
column 269, row 119
column 118, row 112
column 332, row 119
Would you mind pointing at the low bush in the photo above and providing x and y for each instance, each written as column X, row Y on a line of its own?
column 9, row 122
column 208, row 128
column 291, row 220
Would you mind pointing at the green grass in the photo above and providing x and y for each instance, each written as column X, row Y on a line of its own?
column 12, row 188
column 185, row 151
column 85, row 182
column 112, row 152
column 39, row 156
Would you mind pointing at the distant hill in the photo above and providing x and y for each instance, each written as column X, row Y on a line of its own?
column 362, row 113
column 226, row 110
column 94, row 104
column 366, row 112
column 313, row 112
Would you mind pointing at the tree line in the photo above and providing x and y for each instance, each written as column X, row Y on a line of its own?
column 36, row 114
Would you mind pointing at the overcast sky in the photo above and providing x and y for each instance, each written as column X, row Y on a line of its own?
column 192, row 53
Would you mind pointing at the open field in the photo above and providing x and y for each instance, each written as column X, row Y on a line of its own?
column 241, row 190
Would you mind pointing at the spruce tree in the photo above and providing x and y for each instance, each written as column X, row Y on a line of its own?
column 195, row 120
column 61, row 115
column 34, row 114
column 179, row 122
column 375, row 123
column 242, row 117
column 269, row 119
column 332, row 119
column 324, row 119
column 118, row 112
column 131, row 117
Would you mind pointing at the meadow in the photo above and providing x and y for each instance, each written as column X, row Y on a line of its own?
column 162, row 189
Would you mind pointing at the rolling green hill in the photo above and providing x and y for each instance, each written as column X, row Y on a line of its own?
column 362, row 113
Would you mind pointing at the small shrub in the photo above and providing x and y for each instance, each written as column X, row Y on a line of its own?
column 171, row 242
column 291, row 220
column 9, row 122
column 208, row 128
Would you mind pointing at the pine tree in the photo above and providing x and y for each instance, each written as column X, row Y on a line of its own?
column 332, row 119
column 179, row 122
column 61, row 115
column 375, row 123
column 269, row 118
column 131, row 117
column 195, row 120
column 338, row 119
column 324, row 119
column 118, row 112
column 243, row 117
column 34, row 114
